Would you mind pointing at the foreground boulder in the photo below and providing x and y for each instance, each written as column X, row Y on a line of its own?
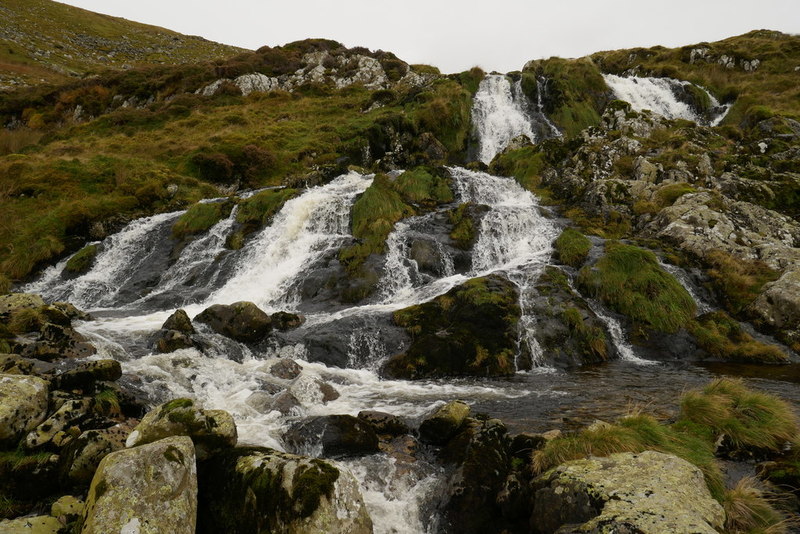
column 470, row 330
column 444, row 423
column 23, row 405
column 647, row 493
column 210, row 430
column 253, row 489
column 43, row 524
column 148, row 490
column 338, row 435
column 241, row 321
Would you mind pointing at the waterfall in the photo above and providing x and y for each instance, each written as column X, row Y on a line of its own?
column 660, row 95
column 498, row 117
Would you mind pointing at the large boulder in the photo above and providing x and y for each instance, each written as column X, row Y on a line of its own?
column 778, row 306
column 647, row 493
column 247, row 490
column 180, row 322
column 148, row 490
column 210, row 430
column 470, row 330
column 23, row 405
column 242, row 321
column 337, row 435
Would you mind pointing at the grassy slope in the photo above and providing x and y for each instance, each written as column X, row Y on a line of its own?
column 44, row 40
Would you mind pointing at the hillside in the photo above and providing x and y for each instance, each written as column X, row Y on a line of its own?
column 45, row 41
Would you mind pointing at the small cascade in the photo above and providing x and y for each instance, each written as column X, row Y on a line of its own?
column 302, row 232
column 662, row 96
column 683, row 278
column 400, row 270
column 120, row 262
column 550, row 129
column 498, row 117
column 614, row 328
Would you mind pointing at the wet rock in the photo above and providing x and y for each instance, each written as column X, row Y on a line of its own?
column 82, row 456
column 402, row 449
column 42, row 524
column 23, row 405
column 180, row 322
column 211, row 430
column 85, row 375
column 286, row 369
column 384, row 423
column 241, row 321
column 172, row 340
column 150, row 488
column 523, row 445
column 470, row 330
column 47, row 351
column 286, row 321
column 251, row 489
column 71, row 311
column 310, row 390
column 19, row 301
column 285, row 403
column 260, row 401
column 67, row 509
column 444, row 423
column 337, row 435
column 70, row 413
column 649, row 492
column 480, row 452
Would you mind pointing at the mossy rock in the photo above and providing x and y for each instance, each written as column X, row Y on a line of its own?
column 200, row 217
column 465, row 221
column 470, row 330
column 242, row 321
column 82, row 260
column 425, row 186
column 630, row 281
column 723, row 337
column 572, row 247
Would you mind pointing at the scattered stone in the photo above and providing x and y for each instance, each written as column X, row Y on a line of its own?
column 23, row 405
column 252, row 489
column 338, row 435
column 286, row 321
column 444, row 423
column 286, row 369
column 172, row 340
column 310, row 390
column 211, row 430
column 241, row 321
column 147, row 489
column 649, row 492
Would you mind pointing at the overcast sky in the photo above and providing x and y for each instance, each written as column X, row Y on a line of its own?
column 455, row 35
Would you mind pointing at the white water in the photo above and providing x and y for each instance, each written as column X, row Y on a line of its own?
column 683, row 278
column 498, row 117
column 658, row 96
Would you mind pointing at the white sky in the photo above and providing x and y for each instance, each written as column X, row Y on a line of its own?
column 455, row 35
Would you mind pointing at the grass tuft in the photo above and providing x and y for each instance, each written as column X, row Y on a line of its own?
column 200, row 217
column 572, row 247
column 751, row 509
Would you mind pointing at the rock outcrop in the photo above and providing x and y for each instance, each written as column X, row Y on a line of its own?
column 241, row 321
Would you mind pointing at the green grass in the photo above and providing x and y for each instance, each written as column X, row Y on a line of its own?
column 261, row 207
column 723, row 337
column 591, row 339
column 81, row 260
column 200, row 217
column 463, row 226
column 751, row 509
column 425, row 186
column 738, row 282
column 572, row 247
column 524, row 164
column 630, row 281
column 106, row 402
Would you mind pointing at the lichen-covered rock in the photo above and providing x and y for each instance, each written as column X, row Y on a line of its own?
column 180, row 322
column 148, row 489
column 42, row 524
column 19, row 301
column 210, row 430
column 69, row 414
column 242, row 321
column 444, row 423
column 247, row 490
column 23, row 405
column 80, row 458
column 778, row 306
column 480, row 452
column 648, row 493
column 86, row 374
column 335, row 435
column 470, row 330
column 67, row 509
column 14, row 364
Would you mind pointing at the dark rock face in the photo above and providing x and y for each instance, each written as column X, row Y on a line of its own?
column 172, row 340
column 285, row 369
column 241, row 321
column 470, row 330
column 286, row 321
column 384, row 423
column 339, row 435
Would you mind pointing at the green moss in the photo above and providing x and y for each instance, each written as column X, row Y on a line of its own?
column 630, row 281
column 82, row 260
column 175, row 404
column 572, row 247
column 591, row 339
column 672, row 192
column 106, row 402
column 444, row 110
column 614, row 226
column 723, row 337
column 425, row 186
column 261, row 207
column 200, row 217
column 463, row 230
column 26, row 320
column 311, row 483
column 524, row 164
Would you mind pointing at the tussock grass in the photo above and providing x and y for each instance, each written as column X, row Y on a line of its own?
column 631, row 282
column 723, row 337
column 261, row 207
column 751, row 509
column 572, row 247
column 200, row 217
column 737, row 281
column 424, row 186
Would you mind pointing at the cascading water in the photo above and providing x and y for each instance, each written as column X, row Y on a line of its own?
column 498, row 117
column 660, row 95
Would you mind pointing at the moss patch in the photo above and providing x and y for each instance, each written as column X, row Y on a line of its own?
column 723, row 337
column 200, row 217
column 261, row 207
column 738, row 282
column 82, row 260
column 630, row 281
column 424, row 186
column 572, row 247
